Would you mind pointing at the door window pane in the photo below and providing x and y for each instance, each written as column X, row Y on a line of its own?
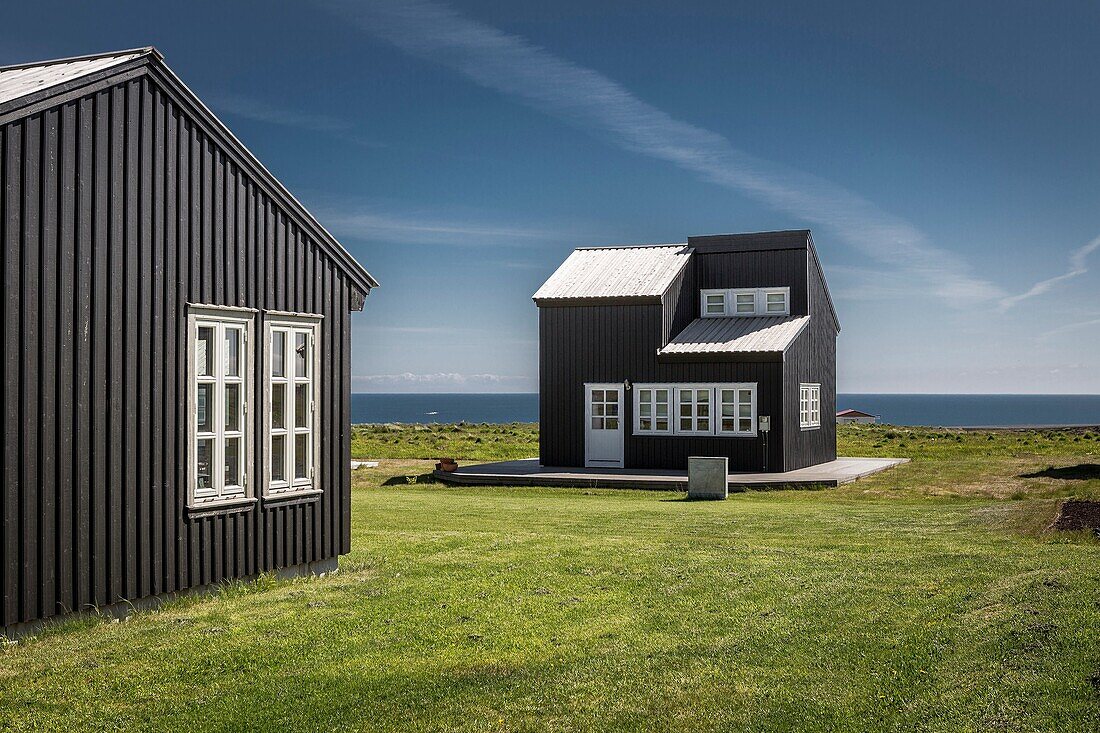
column 204, row 408
column 232, row 352
column 204, row 351
column 233, row 462
column 278, row 458
column 301, row 453
column 301, row 355
column 278, row 353
column 232, row 407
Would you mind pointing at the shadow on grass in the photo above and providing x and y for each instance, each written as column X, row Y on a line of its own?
column 1080, row 472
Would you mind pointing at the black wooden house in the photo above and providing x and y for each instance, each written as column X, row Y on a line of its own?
column 176, row 347
column 723, row 346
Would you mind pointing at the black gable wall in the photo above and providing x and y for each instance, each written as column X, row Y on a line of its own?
column 119, row 208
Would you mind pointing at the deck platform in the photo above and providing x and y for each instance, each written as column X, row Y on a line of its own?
column 528, row 472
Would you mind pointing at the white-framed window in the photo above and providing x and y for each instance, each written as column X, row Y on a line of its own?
column 219, row 395
column 693, row 413
column 695, row 409
column 737, row 403
column 714, row 303
column 291, row 367
column 775, row 302
column 652, row 408
column 745, row 302
column 809, row 406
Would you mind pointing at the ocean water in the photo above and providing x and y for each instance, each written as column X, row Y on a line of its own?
column 897, row 409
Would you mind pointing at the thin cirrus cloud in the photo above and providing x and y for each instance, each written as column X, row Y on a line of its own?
column 589, row 100
column 434, row 381
column 1077, row 267
column 415, row 228
column 252, row 108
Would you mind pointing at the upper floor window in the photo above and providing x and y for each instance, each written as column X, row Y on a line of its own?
column 291, row 418
column 746, row 302
column 219, row 396
column 809, row 406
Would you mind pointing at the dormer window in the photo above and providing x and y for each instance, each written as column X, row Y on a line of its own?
column 745, row 302
column 714, row 303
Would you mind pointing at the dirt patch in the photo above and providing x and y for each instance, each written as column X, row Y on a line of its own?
column 1078, row 514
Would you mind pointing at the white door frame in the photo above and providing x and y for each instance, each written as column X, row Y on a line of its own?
column 603, row 462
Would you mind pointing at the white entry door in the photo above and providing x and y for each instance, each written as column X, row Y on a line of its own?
column 603, row 425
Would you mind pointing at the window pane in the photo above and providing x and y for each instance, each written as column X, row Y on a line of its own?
column 703, row 424
column 728, row 425
column 301, row 355
column 685, row 396
column 301, row 454
column 597, row 423
column 232, row 352
column 744, row 425
column 301, row 405
column 278, row 406
column 645, row 395
column 278, row 354
column 278, row 458
column 662, row 395
column 662, row 424
column 645, row 409
column 685, row 423
column 744, row 410
column 597, row 409
column 662, row 409
column 204, row 408
column 745, row 396
column 685, row 410
column 204, row 454
column 703, row 409
column 597, row 395
column 612, row 423
column 233, row 462
column 612, row 395
column 645, row 423
column 204, row 351
column 232, row 407
column 613, row 409
column 776, row 297
column 727, row 409
column 702, row 395
column 746, row 303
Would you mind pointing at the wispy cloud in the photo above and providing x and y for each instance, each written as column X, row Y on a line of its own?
column 429, row 228
column 585, row 98
column 253, row 108
column 1077, row 267
column 1069, row 328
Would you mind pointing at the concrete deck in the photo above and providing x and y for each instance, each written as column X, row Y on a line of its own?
column 528, row 472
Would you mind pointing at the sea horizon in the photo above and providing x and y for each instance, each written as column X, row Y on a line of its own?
column 898, row 408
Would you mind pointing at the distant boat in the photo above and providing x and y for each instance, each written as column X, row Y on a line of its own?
column 431, row 413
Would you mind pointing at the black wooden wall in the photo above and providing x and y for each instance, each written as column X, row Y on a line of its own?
column 118, row 209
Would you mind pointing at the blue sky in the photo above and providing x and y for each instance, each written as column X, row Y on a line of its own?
column 945, row 158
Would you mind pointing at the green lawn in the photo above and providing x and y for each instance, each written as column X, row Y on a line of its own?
column 926, row 598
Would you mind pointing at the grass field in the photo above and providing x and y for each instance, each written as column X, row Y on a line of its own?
column 926, row 598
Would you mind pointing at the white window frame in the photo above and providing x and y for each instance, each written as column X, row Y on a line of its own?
column 220, row 318
column 737, row 388
column 809, row 405
column 669, row 416
column 759, row 302
column 695, row 403
column 291, row 325
column 714, row 409
column 704, row 295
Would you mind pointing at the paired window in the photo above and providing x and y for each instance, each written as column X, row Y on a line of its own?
column 221, row 373
column 695, row 409
column 740, row 302
column 291, row 416
column 809, row 406
column 221, row 382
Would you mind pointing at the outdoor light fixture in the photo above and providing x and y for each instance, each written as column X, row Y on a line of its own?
column 626, row 385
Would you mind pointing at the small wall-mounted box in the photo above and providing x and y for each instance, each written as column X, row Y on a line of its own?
column 707, row 477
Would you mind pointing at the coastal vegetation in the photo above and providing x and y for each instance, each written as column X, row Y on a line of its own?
column 931, row 597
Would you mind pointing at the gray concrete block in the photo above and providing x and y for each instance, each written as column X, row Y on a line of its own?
column 707, row 477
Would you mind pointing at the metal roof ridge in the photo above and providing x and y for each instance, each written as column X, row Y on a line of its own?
column 143, row 50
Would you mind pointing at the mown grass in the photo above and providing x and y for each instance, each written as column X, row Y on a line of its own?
column 880, row 605
column 462, row 441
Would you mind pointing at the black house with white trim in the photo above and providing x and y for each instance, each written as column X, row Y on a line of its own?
column 176, row 348
column 723, row 346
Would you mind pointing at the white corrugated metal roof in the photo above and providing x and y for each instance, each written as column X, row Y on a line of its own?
column 616, row 272
column 737, row 335
column 19, row 81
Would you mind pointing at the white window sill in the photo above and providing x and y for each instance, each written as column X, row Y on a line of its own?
column 228, row 506
column 811, row 427
column 304, row 495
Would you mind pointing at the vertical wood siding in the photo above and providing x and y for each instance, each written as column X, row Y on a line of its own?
column 119, row 209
